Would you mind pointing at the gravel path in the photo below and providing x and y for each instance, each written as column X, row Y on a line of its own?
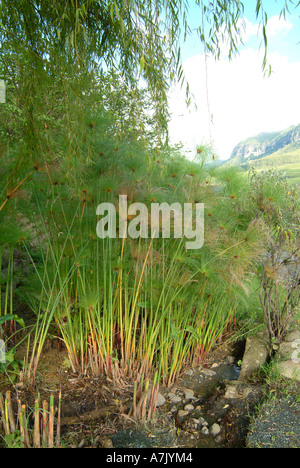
column 277, row 426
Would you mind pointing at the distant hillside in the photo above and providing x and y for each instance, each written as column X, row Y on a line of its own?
column 278, row 150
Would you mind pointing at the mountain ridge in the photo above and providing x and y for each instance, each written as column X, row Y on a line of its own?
column 263, row 144
column 274, row 150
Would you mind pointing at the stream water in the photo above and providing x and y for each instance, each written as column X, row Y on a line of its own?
column 204, row 383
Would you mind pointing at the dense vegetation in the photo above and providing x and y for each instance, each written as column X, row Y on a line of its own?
column 74, row 132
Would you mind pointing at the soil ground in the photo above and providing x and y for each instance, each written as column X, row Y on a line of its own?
column 95, row 411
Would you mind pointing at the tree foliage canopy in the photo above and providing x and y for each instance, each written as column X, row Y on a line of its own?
column 52, row 54
column 137, row 37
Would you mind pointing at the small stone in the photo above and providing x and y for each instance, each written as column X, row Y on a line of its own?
column 188, row 390
column 290, row 369
column 230, row 360
column 205, row 430
column 208, row 372
column 172, row 390
column 286, row 349
column 189, row 396
column 214, row 365
column 189, row 407
column 160, row 401
column 175, row 399
column 107, row 443
column 181, row 415
column 236, row 389
column 189, row 372
column 292, row 336
column 215, row 430
column 195, row 422
column 189, row 425
column 202, row 421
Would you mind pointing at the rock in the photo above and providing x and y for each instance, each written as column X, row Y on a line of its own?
column 286, row 349
column 172, row 391
column 107, row 443
column 189, row 394
column 289, row 352
column 181, row 415
column 202, row 421
column 214, row 365
column 175, row 399
column 215, row 430
column 208, row 372
column 292, row 336
column 190, row 424
column 160, row 398
column 196, row 423
column 188, row 390
column 189, row 407
column 262, row 146
column 230, row 360
column 188, row 397
column 256, row 353
column 189, row 372
column 289, row 369
column 205, row 430
column 236, row 390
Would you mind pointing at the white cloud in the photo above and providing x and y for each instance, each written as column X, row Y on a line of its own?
column 248, row 29
column 277, row 24
column 242, row 101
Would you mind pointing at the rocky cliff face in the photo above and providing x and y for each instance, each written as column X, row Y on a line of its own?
column 265, row 143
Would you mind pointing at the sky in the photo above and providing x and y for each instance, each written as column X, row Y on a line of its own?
column 238, row 101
